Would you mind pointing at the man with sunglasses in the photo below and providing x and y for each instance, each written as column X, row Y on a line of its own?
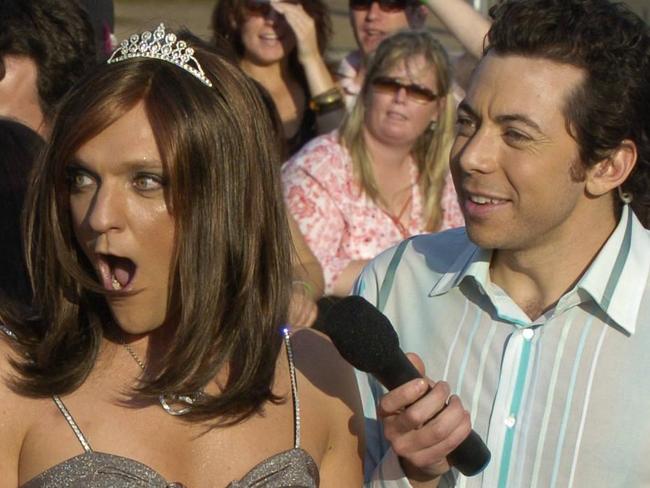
column 536, row 314
column 374, row 20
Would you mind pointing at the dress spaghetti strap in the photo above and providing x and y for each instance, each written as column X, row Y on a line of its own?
column 294, row 389
column 294, row 396
column 73, row 425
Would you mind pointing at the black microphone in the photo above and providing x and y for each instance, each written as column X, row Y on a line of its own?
column 366, row 339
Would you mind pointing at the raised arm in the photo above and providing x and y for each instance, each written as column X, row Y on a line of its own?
column 330, row 108
column 462, row 21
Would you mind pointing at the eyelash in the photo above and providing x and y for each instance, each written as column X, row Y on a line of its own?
column 515, row 136
column 73, row 175
column 464, row 126
column 156, row 179
column 153, row 182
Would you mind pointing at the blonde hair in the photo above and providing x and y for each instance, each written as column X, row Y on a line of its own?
column 431, row 150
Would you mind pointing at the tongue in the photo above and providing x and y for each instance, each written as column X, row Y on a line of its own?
column 122, row 270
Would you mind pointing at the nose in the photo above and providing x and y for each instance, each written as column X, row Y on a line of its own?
column 476, row 153
column 106, row 210
column 374, row 11
column 400, row 95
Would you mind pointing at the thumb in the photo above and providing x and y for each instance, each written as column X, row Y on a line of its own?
column 417, row 362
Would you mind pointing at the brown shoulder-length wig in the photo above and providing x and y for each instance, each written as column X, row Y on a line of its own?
column 230, row 276
column 228, row 15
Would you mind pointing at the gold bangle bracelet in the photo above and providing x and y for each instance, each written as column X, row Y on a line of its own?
column 327, row 101
column 334, row 91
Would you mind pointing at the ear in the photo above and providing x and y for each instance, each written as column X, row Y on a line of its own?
column 611, row 172
column 416, row 16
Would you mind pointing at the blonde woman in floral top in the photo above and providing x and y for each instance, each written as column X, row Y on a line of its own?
column 384, row 176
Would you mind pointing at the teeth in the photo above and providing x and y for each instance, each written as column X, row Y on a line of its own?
column 116, row 284
column 483, row 200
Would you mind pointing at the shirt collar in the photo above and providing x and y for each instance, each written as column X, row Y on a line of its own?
column 615, row 280
column 349, row 65
column 473, row 261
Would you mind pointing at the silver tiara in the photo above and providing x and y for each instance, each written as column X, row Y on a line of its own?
column 159, row 45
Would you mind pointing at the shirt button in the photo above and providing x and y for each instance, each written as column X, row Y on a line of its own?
column 510, row 421
column 528, row 334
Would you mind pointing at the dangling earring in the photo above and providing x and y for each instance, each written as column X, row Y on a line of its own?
column 625, row 196
column 433, row 125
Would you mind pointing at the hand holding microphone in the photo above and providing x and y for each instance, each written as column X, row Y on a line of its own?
column 426, row 427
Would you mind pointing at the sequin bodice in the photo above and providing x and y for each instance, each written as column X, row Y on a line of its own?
column 292, row 468
column 92, row 469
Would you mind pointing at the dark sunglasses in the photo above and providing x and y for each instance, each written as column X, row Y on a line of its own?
column 417, row 93
column 384, row 5
column 262, row 8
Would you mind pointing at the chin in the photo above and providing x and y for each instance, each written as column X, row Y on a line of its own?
column 485, row 238
column 134, row 321
column 369, row 47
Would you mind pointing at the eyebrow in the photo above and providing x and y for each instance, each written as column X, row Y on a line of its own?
column 465, row 107
column 501, row 119
column 136, row 165
column 519, row 118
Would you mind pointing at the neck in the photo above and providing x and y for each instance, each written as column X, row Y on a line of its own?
column 536, row 277
column 267, row 75
column 149, row 347
column 391, row 170
column 386, row 156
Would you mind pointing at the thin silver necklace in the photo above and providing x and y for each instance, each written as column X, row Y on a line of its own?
column 168, row 400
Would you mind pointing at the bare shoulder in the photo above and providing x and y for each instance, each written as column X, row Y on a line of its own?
column 12, row 404
column 7, row 354
column 14, row 416
column 332, row 397
column 320, row 363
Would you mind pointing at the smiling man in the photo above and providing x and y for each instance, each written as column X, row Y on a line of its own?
column 536, row 314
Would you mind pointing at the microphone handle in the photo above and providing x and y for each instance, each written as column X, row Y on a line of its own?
column 472, row 455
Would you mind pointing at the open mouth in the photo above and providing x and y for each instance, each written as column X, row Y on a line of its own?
column 117, row 272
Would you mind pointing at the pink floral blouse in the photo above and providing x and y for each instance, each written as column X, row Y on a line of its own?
column 339, row 222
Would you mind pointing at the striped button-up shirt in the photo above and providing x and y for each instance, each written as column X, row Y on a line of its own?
column 561, row 401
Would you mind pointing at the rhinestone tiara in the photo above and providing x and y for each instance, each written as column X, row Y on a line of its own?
column 163, row 46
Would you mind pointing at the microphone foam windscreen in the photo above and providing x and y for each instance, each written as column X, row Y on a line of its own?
column 361, row 333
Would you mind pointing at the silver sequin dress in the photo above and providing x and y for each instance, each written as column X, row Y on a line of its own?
column 292, row 468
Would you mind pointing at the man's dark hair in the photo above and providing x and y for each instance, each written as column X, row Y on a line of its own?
column 612, row 45
column 56, row 35
column 20, row 147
